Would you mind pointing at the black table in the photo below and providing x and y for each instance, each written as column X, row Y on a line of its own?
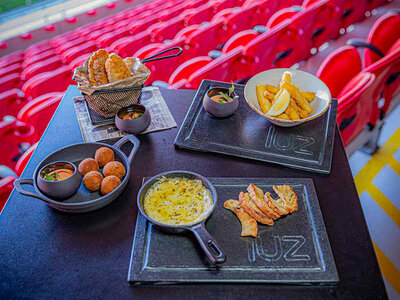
column 48, row 254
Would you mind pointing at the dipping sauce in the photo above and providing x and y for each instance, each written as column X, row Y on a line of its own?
column 132, row 116
column 57, row 172
column 177, row 201
column 221, row 99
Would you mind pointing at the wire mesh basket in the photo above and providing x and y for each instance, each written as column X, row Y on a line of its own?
column 106, row 103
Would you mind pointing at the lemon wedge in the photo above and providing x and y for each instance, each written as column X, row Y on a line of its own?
column 281, row 103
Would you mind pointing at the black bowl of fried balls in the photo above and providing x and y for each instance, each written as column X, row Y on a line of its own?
column 113, row 171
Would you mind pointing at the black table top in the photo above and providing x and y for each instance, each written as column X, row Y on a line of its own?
column 48, row 254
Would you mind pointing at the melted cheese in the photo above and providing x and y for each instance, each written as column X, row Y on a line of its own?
column 177, row 201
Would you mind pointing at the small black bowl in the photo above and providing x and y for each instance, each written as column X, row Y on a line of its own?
column 217, row 109
column 133, row 126
column 60, row 189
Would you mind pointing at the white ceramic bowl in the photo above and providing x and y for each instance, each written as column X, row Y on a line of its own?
column 305, row 81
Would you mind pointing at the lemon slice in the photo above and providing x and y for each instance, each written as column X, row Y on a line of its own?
column 281, row 103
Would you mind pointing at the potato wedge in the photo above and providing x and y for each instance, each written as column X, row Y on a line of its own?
column 286, row 78
column 308, row 95
column 295, row 93
column 269, row 96
column 257, row 195
column 249, row 225
column 265, row 104
column 272, row 89
column 283, row 116
column 251, row 208
column 292, row 113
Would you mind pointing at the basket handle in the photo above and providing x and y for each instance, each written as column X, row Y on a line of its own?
column 151, row 58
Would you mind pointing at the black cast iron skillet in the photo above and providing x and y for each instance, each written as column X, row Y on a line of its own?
column 206, row 241
column 82, row 200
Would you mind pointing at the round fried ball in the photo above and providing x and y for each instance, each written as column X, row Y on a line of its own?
column 104, row 155
column 87, row 165
column 92, row 181
column 114, row 168
column 109, row 184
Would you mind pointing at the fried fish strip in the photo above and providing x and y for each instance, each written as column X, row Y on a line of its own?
column 249, row 225
column 272, row 89
column 257, row 195
column 283, row 116
column 302, row 113
column 286, row 78
column 96, row 68
column 308, row 95
column 291, row 112
column 298, row 96
column 277, row 205
column 286, row 192
column 251, row 208
column 116, row 68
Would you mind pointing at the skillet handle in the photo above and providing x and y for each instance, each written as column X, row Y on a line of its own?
column 132, row 139
column 208, row 244
column 18, row 186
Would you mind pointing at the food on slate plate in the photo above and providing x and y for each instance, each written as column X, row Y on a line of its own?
column 254, row 207
column 132, row 115
column 87, row 165
column 105, row 68
column 249, row 225
column 114, row 168
column 177, row 201
column 104, row 155
column 109, row 184
column 57, row 172
column 92, row 181
column 225, row 97
column 286, row 101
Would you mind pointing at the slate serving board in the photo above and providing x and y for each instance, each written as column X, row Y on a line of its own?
column 295, row 250
column 246, row 134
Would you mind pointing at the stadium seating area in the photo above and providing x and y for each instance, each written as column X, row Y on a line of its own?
column 226, row 40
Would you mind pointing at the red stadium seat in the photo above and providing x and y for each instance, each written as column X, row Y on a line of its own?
column 146, row 51
column 205, row 39
column 162, row 69
column 383, row 35
column 227, row 68
column 167, row 30
column 63, row 39
column 372, row 4
column 11, row 102
column 128, row 45
column 393, row 84
column 14, row 136
column 38, row 48
column 39, row 111
column 339, row 68
column 239, row 39
column 245, row 18
column 188, row 30
column 188, row 68
column 352, row 11
column 10, row 59
column 352, row 106
column 200, row 14
column 69, row 55
column 282, row 15
column 49, row 64
column 261, row 53
column 67, row 46
column 10, row 82
column 6, row 187
column 77, row 62
column 107, row 39
column 24, row 159
column 93, row 36
column 54, row 81
column 223, row 14
column 40, row 57
column 15, row 68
